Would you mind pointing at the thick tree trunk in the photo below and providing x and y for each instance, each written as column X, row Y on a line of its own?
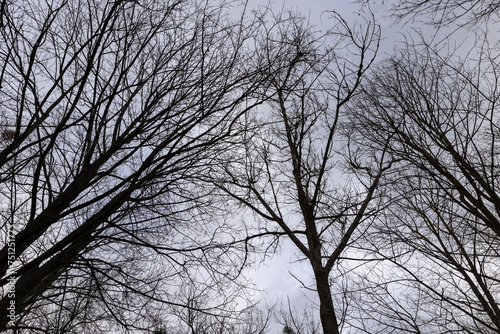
column 326, row 309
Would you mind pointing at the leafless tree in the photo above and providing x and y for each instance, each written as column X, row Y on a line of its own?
column 297, row 322
column 441, row 232
column 107, row 109
column 285, row 167
column 443, row 13
column 251, row 320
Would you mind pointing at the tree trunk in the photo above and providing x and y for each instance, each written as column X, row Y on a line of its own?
column 326, row 309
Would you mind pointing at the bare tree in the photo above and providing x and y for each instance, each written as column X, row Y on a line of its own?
column 251, row 320
column 444, row 13
column 442, row 224
column 284, row 168
column 297, row 322
column 107, row 109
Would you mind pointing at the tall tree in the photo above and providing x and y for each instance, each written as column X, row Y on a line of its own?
column 444, row 13
column 284, row 168
column 107, row 109
column 442, row 226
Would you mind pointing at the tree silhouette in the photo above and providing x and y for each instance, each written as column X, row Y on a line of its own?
column 283, row 168
column 107, row 110
column 441, row 227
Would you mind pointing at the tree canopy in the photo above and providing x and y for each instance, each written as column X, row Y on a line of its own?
column 150, row 151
